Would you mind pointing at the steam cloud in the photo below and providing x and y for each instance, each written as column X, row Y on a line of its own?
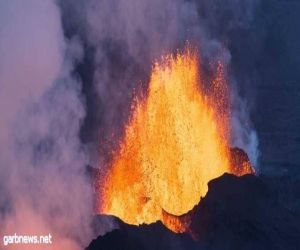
column 44, row 108
column 42, row 186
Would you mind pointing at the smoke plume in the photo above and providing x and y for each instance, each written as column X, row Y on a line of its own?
column 43, row 187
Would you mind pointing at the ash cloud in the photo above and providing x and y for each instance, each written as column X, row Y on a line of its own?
column 42, row 182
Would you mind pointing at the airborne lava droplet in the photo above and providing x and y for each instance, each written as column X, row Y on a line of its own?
column 174, row 144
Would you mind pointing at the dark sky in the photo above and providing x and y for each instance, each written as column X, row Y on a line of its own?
column 277, row 105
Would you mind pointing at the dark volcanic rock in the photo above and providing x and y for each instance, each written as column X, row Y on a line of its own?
column 147, row 237
column 237, row 213
column 243, row 213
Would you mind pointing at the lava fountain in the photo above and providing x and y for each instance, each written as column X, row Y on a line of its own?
column 175, row 142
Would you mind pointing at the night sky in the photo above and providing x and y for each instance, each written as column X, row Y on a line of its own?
column 277, row 109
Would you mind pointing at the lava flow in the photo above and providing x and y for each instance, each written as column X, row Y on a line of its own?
column 176, row 141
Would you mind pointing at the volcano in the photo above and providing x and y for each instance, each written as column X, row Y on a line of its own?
column 237, row 213
column 175, row 182
column 176, row 141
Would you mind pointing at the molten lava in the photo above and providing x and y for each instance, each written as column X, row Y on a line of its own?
column 176, row 141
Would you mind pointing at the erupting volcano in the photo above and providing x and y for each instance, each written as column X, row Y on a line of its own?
column 176, row 141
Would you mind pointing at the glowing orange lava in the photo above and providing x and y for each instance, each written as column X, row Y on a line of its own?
column 175, row 142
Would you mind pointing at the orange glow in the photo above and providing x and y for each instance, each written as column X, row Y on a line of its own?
column 175, row 142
